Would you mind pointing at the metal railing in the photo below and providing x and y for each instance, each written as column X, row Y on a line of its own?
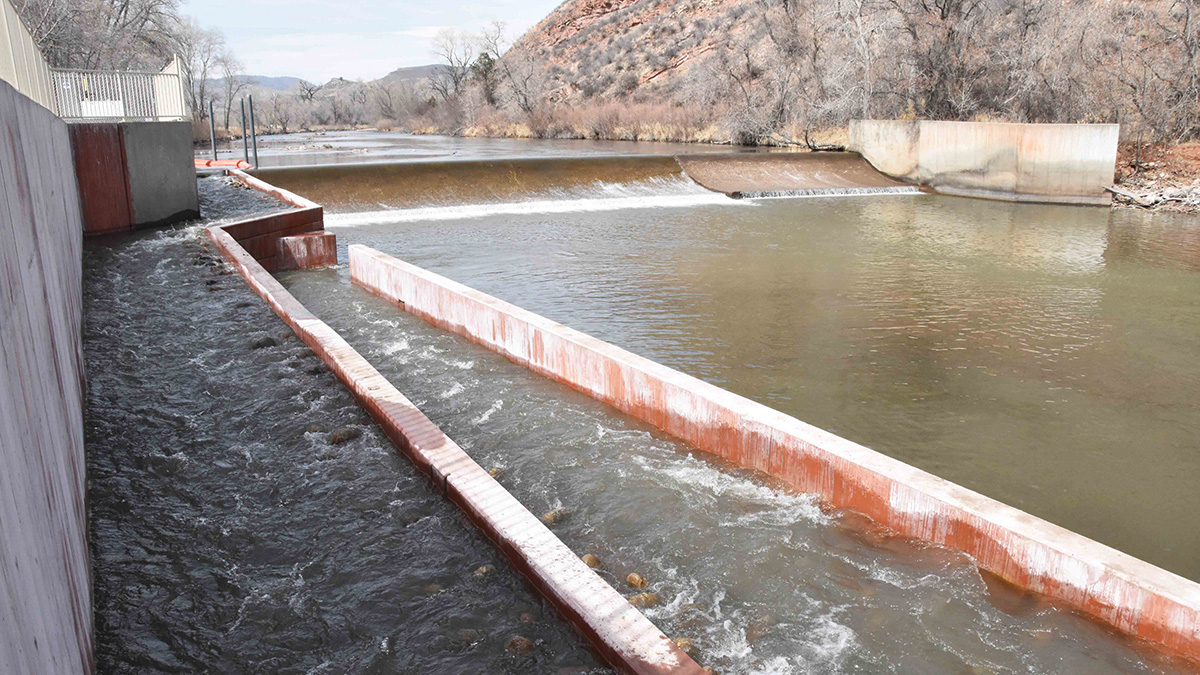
column 107, row 95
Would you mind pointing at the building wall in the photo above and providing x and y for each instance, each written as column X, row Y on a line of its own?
column 1064, row 163
column 45, row 577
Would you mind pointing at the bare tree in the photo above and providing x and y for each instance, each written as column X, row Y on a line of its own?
column 308, row 91
column 281, row 112
column 455, row 51
column 232, row 82
column 201, row 50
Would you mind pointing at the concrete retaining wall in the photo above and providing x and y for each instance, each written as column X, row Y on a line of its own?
column 45, row 578
column 135, row 174
column 1060, row 163
column 1130, row 594
column 620, row 633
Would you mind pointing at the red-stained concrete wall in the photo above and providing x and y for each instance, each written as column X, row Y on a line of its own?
column 307, row 251
column 260, row 237
column 134, row 174
column 100, row 171
column 616, row 629
column 45, row 576
column 1130, row 594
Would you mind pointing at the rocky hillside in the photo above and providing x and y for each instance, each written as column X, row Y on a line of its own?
column 609, row 48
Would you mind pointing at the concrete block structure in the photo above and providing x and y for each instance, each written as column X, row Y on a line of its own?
column 1054, row 163
column 134, row 174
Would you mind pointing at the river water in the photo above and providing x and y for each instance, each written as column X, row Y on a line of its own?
column 1046, row 356
column 371, row 146
column 1042, row 355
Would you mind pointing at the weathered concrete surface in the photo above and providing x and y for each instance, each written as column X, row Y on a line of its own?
column 785, row 173
column 45, row 578
column 625, row 638
column 307, row 251
column 1060, row 163
column 260, row 237
column 100, row 171
column 161, row 172
column 1130, row 594
column 134, row 174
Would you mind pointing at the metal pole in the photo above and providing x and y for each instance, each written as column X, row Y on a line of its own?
column 253, row 131
column 245, row 140
column 212, row 130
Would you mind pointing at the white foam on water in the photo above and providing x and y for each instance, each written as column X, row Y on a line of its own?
column 780, row 508
column 651, row 194
column 487, row 415
column 396, row 346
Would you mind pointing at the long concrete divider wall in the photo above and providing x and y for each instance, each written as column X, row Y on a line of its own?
column 619, row 632
column 1059, row 163
column 45, row 577
column 1128, row 593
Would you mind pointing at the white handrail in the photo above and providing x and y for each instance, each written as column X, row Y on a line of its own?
column 107, row 95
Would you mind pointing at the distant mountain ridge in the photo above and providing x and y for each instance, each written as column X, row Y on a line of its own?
column 287, row 83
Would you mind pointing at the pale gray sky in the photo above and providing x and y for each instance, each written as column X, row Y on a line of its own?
column 321, row 39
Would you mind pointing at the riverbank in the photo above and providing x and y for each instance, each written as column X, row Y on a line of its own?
column 1159, row 177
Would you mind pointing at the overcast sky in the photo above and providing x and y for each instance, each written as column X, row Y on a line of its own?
column 354, row 39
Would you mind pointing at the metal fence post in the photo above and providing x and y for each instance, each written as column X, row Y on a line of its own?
column 245, row 140
column 212, row 129
column 253, row 131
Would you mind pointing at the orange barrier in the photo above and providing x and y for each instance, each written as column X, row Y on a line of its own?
column 622, row 636
column 1130, row 594
column 222, row 164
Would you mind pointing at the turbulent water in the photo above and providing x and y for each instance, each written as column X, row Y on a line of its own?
column 670, row 191
column 229, row 537
column 1020, row 350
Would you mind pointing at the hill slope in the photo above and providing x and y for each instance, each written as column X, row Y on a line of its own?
column 610, row 48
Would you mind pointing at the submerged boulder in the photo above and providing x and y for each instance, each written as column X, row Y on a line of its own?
column 344, row 434
column 555, row 516
column 591, row 561
column 519, row 645
column 636, row 580
column 642, row 600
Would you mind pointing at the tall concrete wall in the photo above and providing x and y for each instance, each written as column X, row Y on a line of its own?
column 45, row 578
column 1061, row 163
column 134, row 174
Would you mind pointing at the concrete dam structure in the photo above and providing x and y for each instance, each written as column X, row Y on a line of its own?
column 1053, row 163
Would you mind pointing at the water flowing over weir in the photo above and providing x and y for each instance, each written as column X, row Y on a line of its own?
column 395, row 193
